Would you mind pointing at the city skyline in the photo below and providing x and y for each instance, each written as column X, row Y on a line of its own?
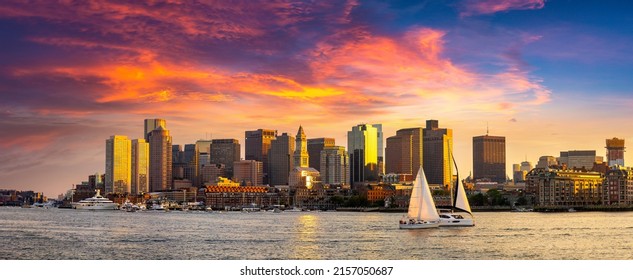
column 549, row 76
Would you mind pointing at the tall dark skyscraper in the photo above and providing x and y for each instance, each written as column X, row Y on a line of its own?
column 404, row 151
column 160, row 167
column 489, row 158
column 437, row 146
column 315, row 146
column 190, row 159
column 281, row 159
column 225, row 151
column 257, row 145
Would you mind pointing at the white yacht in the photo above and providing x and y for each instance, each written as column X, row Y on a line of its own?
column 96, row 202
column 460, row 214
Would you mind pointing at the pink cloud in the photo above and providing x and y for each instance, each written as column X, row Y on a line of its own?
column 484, row 7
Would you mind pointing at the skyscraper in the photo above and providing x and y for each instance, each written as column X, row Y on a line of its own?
column 281, row 159
column 404, row 151
column 190, row 159
column 118, row 164
column 362, row 146
column 489, row 158
column 160, row 167
column 301, row 149
column 257, row 145
column 437, row 146
column 225, row 151
column 615, row 151
column 177, row 162
column 315, row 146
column 151, row 124
column 334, row 166
column 381, row 149
column 140, row 166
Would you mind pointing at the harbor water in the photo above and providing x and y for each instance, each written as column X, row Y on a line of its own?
column 52, row 234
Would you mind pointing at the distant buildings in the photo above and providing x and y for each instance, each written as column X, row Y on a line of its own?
column 615, row 151
column 334, row 166
column 190, row 160
column 437, row 148
column 579, row 159
column 404, row 151
column 210, row 173
column 118, row 165
column 203, row 151
column 568, row 188
column 281, row 159
column 249, row 172
column 257, row 145
column 160, row 162
column 225, row 151
column 362, row 146
column 151, row 124
column 381, row 149
column 315, row 146
column 140, row 167
column 618, row 187
column 489, row 158
column 546, row 161
column 300, row 156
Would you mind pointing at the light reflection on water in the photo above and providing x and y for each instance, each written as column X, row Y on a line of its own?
column 71, row 234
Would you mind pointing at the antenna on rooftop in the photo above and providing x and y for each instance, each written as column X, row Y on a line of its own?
column 487, row 129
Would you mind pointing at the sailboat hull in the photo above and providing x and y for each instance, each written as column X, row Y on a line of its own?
column 421, row 225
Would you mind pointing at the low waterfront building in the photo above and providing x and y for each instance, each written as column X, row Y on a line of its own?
column 618, row 187
column 237, row 197
column 321, row 197
column 555, row 187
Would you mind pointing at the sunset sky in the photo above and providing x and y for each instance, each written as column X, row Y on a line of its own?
column 548, row 75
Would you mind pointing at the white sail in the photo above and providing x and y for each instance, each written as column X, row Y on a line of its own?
column 416, row 198
column 421, row 205
column 461, row 201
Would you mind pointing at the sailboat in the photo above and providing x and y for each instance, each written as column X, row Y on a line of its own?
column 422, row 212
column 453, row 218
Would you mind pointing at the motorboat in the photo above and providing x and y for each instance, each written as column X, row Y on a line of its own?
column 129, row 207
column 96, row 202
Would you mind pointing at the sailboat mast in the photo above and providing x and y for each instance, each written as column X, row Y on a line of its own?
column 456, row 187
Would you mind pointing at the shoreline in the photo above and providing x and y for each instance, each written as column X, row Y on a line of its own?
column 542, row 209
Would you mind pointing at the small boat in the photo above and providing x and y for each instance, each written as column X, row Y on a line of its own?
column 158, row 206
column 96, row 202
column 459, row 208
column 422, row 212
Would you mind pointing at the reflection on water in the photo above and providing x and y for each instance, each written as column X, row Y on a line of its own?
column 70, row 234
column 306, row 246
